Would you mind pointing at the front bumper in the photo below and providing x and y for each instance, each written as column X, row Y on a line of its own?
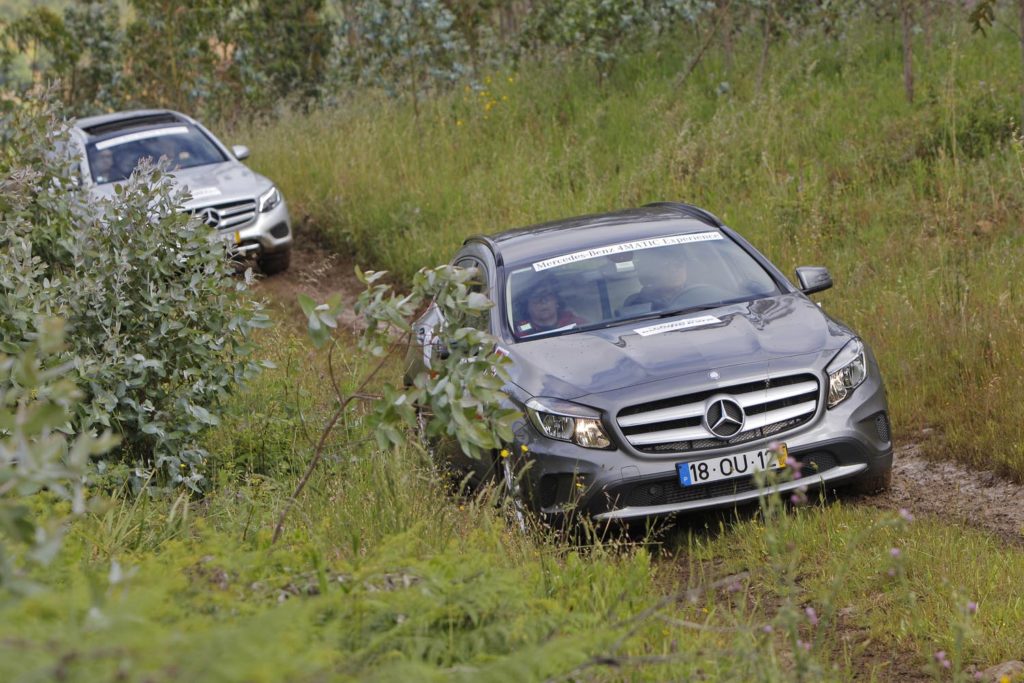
column 270, row 232
column 836, row 447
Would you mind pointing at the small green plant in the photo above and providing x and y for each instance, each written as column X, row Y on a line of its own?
column 458, row 395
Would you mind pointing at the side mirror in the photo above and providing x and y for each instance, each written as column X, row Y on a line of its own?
column 240, row 151
column 813, row 279
column 442, row 350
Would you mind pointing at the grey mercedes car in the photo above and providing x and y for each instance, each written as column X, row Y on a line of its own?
column 246, row 208
column 659, row 361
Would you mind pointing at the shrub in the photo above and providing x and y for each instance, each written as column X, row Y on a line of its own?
column 36, row 403
column 159, row 328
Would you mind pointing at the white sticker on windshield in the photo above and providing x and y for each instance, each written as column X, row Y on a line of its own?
column 142, row 135
column 202, row 192
column 636, row 245
column 684, row 324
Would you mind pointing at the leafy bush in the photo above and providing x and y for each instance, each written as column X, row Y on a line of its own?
column 159, row 329
column 36, row 453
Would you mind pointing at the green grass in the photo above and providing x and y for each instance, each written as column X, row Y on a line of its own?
column 915, row 209
column 382, row 574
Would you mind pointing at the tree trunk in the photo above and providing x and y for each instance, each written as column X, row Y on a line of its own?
column 765, row 44
column 1020, row 35
column 727, row 43
column 908, row 53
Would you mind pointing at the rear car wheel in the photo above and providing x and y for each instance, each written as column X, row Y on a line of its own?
column 274, row 263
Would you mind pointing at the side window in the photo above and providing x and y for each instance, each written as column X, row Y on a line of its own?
column 480, row 321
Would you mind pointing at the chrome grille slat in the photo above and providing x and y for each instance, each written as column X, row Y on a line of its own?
column 778, row 405
column 777, row 394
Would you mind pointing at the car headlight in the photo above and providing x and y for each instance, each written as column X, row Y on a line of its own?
column 269, row 199
column 846, row 372
column 565, row 421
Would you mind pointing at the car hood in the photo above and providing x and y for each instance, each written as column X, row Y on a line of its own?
column 210, row 184
column 575, row 365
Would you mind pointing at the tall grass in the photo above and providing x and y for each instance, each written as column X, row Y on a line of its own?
column 384, row 575
column 916, row 209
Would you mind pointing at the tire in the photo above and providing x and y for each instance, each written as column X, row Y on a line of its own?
column 272, row 264
column 872, row 483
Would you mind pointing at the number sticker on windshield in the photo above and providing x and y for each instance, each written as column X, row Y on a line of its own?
column 623, row 247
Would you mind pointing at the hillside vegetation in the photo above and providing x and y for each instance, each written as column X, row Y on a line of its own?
column 387, row 571
column 916, row 209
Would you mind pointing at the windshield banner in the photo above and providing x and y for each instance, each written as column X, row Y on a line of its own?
column 623, row 247
column 678, row 325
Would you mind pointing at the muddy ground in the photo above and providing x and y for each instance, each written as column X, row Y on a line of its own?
column 923, row 485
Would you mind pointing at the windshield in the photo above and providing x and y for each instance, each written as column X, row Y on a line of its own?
column 183, row 146
column 643, row 279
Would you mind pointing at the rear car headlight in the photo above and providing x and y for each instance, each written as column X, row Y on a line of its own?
column 269, row 199
column 565, row 421
column 846, row 372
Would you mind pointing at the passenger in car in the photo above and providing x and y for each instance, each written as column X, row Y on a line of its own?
column 542, row 309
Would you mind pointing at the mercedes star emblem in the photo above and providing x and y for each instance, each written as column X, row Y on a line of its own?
column 724, row 417
column 210, row 216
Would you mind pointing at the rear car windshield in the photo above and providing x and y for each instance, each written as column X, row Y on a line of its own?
column 182, row 145
column 617, row 283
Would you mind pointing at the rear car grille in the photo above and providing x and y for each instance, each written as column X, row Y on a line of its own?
column 228, row 215
column 771, row 407
column 669, row 491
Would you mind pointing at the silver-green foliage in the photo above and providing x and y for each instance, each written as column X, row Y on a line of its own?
column 158, row 327
column 38, row 449
column 459, row 396
column 407, row 47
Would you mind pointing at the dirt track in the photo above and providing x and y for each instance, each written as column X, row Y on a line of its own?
column 975, row 498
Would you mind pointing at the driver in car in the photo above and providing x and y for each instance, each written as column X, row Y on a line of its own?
column 663, row 278
column 545, row 310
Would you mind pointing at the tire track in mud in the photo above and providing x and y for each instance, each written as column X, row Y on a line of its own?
column 926, row 486
column 976, row 498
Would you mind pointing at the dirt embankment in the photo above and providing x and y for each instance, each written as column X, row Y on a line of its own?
column 975, row 498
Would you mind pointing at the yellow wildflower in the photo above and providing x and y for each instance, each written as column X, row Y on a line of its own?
column 523, row 448
column 504, row 453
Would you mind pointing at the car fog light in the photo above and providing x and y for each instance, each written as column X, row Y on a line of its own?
column 566, row 421
column 846, row 372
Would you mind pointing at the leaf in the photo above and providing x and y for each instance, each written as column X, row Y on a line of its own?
column 307, row 304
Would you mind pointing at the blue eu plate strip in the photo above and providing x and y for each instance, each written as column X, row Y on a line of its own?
column 684, row 474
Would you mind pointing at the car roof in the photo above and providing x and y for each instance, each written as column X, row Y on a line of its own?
column 554, row 238
column 96, row 127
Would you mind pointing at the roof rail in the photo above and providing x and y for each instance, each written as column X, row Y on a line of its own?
column 690, row 211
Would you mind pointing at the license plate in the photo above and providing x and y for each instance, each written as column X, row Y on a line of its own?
column 232, row 236
column 730, row 466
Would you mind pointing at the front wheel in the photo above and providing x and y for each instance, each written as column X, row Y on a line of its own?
column 872, row 483
column 274, row 263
